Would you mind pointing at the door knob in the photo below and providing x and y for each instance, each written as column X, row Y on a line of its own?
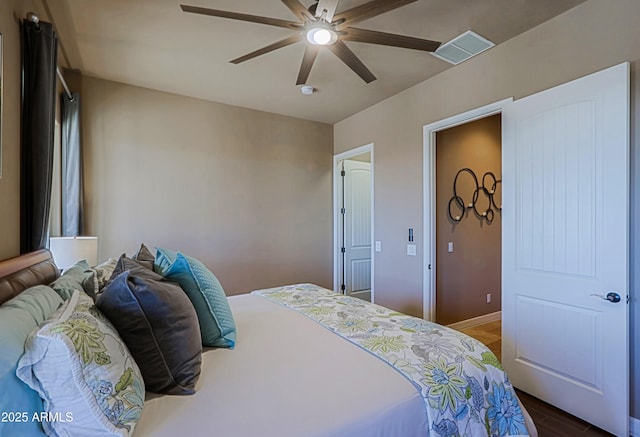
column 612, row 297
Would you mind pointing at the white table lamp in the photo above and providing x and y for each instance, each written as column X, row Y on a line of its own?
column 69, row 250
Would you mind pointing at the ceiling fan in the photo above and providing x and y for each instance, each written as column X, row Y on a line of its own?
column 321, row 26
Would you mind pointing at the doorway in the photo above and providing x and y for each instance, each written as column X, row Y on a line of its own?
column 430, row 235
column 468, row 221
column 353, row 223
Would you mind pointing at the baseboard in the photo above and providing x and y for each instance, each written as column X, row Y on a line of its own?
column 360, row 294
column 634, row 427
column 480, row 320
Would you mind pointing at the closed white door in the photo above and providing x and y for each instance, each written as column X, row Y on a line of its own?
column 357, row 228
column 565, row 247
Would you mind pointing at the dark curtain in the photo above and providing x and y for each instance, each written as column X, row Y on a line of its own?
column 71, row 167
column 39, row 61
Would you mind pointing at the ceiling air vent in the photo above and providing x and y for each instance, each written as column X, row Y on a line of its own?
column 463, row 47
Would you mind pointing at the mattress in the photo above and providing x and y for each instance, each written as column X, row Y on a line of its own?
column 310, row 362
column 288, row 376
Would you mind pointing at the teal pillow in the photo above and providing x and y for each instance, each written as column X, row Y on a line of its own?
column 217, row 326
column 18, row 318
column 164, row 258
column 78, row 277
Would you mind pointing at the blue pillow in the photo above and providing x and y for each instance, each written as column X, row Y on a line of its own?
column 217, row 326
column 18, row 317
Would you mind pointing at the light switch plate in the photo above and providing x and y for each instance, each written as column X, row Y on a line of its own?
column 450, row 247
column 411, row 249
column 378, row 246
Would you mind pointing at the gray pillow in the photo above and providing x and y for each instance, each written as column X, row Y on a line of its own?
column 144, row 257
column 158, row 324
column 78, row 277
column 125, row 263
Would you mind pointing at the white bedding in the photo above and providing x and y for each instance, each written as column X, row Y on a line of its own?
column 288, row 376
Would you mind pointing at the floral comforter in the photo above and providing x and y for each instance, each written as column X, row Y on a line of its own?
column 465, row 388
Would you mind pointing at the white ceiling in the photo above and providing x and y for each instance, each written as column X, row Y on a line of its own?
column 153, row 44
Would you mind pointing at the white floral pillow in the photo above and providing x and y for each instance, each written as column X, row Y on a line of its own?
column 84, row 373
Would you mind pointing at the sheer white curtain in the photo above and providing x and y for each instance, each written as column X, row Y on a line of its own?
column 71, row 167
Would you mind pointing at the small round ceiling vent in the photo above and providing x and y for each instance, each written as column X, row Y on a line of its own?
column 307, row 90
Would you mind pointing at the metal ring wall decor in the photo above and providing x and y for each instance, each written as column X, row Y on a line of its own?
column 488, row 188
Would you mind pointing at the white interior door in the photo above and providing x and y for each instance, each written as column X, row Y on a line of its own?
column 565, row 239
column 357, row 228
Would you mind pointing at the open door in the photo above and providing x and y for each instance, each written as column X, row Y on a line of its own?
column 565, row 247
column 356, row 225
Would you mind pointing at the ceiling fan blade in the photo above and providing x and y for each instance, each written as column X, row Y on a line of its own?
column 345, row 54
column 310, row 54
column 368, row 10
column 243, row 17
column 299, row 10
column 389, row 39
column 328, row 8
column 271, row 47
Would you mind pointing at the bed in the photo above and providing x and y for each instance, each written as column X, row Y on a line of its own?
column 309, row 362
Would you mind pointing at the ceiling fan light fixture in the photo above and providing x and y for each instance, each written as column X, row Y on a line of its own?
column 321, row 34
column 322, row 27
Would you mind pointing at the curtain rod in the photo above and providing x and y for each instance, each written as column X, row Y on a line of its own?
column 34, row 19
column 64, row 85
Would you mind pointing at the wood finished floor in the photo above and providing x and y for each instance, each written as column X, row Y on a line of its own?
column 550, row 421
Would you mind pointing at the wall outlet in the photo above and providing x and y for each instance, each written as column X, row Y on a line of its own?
column 488, row 297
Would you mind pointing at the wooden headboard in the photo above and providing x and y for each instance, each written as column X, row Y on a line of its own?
column 24, row 271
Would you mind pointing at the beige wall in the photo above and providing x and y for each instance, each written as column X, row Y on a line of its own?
column 588, row 38
column 476, row 242
column 246, row 192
